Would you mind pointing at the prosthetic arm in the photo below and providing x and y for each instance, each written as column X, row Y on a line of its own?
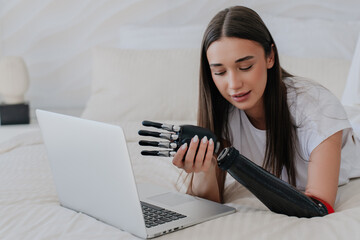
column 276, row 194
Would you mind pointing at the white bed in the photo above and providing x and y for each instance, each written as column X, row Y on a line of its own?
column 165, row 90
column 30, row 209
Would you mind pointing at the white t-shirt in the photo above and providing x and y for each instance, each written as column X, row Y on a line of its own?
column 318, row 114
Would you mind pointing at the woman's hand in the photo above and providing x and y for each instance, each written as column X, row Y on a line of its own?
column 197, row 157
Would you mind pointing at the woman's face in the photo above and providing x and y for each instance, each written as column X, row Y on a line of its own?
column 239, row 70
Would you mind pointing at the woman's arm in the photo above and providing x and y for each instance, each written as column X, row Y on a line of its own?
column 324, row 168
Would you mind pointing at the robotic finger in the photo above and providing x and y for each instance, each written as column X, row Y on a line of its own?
column 162, row 144
column 177, row 136
column 164, row 153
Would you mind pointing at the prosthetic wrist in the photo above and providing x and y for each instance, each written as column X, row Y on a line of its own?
column 276, row 194
column 175, row 136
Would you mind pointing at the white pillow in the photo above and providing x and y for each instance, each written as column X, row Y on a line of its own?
column 329, row 72
column 352, row 90
column 143, row 84
column 353, row 113
column 163, row 84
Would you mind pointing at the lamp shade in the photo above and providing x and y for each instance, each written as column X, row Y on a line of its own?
column 14, row 79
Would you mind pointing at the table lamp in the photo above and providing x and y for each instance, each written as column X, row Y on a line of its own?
column 14, row 82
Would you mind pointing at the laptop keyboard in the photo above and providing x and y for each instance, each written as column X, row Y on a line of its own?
column 154, row 215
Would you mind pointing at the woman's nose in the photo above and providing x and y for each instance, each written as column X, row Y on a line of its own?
column 234, row 81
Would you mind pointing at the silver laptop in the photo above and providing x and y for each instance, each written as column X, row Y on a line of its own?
column 93, row 174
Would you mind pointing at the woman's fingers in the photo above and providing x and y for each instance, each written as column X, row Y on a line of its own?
column 179, row 156
column 190, row 155
column 199, row 160
column 196, row 157
column 208, row 157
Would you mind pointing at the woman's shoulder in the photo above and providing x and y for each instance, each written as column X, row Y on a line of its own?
column 302, row 84
column 308, row 91
column 317, row 113
column 308, row 99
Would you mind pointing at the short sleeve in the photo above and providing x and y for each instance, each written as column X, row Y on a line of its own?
column 318, row 114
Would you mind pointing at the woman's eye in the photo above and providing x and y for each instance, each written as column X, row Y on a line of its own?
column 247, row 68
column 219, row 73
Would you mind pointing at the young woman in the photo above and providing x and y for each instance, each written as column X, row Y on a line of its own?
column 290, row 126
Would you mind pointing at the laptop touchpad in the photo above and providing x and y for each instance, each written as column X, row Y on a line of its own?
column 172, row 199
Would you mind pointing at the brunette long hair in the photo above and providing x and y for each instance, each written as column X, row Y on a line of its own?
column 242, row 22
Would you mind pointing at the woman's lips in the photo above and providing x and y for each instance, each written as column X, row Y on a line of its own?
column 240, row 97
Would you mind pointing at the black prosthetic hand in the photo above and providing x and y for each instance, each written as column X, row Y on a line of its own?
column 276, row 194
column 176, row 136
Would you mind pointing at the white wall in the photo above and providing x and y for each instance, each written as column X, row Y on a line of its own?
column 55, row 37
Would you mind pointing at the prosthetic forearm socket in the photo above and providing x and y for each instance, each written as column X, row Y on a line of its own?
column 276, row 194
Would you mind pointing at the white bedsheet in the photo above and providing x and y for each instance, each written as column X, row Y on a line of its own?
column 29, row 207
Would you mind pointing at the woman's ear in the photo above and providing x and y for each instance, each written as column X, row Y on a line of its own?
column 270, row 60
